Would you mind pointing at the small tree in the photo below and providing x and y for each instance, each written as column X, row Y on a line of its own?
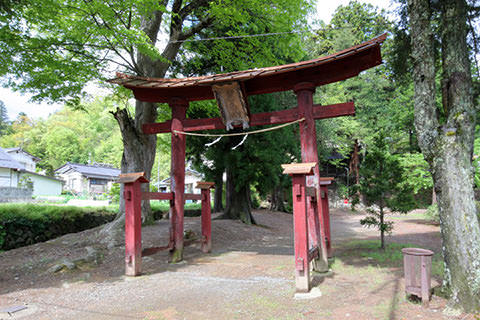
column 382, row 188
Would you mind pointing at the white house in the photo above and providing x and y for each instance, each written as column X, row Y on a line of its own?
column 191, row 179
column 17, row 170
column 9, row 170
column 83, row 178
column 42, row 185
column 28, row 160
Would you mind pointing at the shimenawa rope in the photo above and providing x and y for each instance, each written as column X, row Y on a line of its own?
column 237, row 133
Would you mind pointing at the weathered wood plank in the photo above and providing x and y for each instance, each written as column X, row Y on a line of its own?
column 257, row 119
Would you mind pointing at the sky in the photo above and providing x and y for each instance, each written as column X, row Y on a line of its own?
column 16, row 102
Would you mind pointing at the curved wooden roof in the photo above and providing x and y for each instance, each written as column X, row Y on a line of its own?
column 332, row 68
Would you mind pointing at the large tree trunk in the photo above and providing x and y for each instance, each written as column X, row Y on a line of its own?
column 138, row 155
column 238, row 204
column 218, row 201
column 448, row 147
column 278, row 199
column 238, row 198
column 139, row 149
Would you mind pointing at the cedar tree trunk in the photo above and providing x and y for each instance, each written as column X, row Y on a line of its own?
column 218, row 201
column 237, row 198
column 278, row 199
column 237, row 189
column 448, row 146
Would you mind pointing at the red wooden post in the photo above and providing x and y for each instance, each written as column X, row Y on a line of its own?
column 133, row 221
column 298, row 171
column 179, row 110
column 206, row 215
column 308, row 141
column 324, row 182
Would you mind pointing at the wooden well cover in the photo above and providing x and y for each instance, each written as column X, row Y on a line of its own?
column 232, row 103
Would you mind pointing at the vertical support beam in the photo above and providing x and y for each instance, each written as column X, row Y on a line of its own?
column 300, row 225
column 326, row 219
column 133, row 228
column 206, row 215
column 206, row 221
column 179, row 110
column 308, row 141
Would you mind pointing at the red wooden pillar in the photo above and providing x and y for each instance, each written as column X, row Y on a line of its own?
column 132, row 193
column 206, row 215
column 298, row 171
column 308, row 141
column 179, row 109
column 324, row 183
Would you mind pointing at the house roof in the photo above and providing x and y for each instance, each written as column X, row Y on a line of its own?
column 90, row 171
column 41, row 175
column 18, row 150
column 323, row 70
column 6, row 161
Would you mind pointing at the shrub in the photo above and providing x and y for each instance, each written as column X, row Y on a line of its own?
column 25, row 224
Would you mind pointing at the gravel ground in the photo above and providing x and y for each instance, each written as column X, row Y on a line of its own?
column 248, row 275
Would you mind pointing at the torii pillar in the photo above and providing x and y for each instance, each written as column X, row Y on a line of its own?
column 308, row 141
column 179, row 108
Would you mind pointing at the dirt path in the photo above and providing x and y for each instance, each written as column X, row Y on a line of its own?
column 249, row 275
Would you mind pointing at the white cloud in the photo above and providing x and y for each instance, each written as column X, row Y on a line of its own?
column 15, row 103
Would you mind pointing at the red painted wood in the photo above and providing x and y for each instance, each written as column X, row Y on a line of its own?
column 300, row 225
column 326, row 219
column 192, row 196
column 206, row 221
column 328, row 72
column 257, row 119
column 333, row 110
column 179, row 110
column 133, row 228
column 157, row 196
column 308, row 141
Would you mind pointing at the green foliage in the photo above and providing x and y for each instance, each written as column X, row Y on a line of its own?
column 3, row 233
column 69, row 136
column 416, row 174
column 114, row 193
column 25, row 182
column 382, row 186
column 25, row 224
column 4, row 124
column 476, row 159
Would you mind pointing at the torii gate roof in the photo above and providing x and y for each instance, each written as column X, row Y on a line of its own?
column 332, row 68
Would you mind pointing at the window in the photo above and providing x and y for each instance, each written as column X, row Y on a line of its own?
column 98, row 181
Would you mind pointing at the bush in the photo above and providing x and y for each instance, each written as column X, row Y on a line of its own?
column 25, row 224
column 114, row 193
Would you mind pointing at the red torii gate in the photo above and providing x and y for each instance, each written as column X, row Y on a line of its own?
column 302, row 78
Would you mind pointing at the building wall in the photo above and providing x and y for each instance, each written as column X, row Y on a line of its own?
column 12, row 194
column 191, row 182
column 74, row 182
column 43, row 186
column 98, row 185
column 24, row 159
column 8, row 177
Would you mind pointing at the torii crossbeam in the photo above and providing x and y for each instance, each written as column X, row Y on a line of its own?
column 231, row 91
